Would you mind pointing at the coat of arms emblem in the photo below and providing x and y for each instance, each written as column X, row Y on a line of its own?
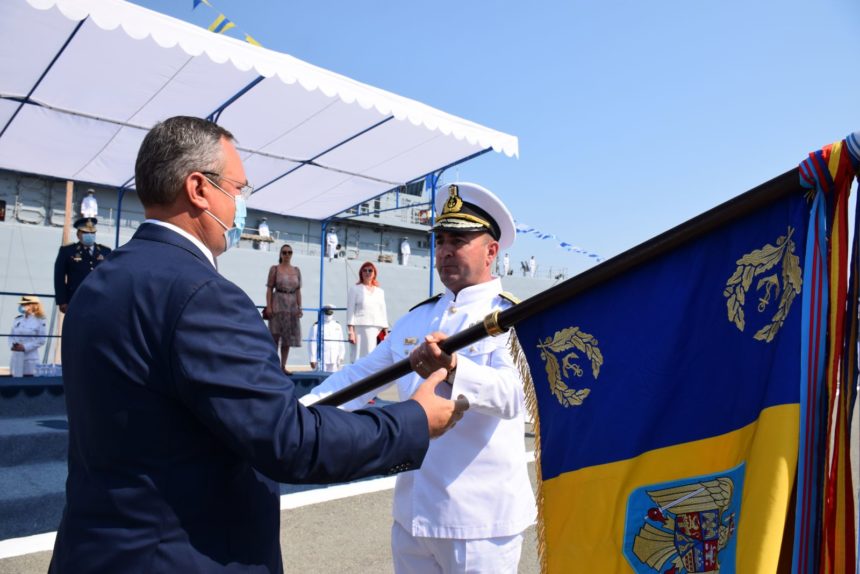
column 686, row 527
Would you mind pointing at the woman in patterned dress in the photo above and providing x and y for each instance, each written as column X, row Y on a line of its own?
column 284, row 304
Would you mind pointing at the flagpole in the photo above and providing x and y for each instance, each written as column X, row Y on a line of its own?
column 499, row 322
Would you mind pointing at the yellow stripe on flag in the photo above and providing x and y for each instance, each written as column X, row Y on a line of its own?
column 585, row 510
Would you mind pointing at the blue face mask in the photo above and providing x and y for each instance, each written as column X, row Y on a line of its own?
column 22, row 309
column 88, row 239
column 232, row 235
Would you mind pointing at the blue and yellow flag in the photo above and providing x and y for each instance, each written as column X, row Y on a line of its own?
column 667, row 405
column 221, row 24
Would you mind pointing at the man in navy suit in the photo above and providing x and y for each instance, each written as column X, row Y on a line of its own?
column 180, row 418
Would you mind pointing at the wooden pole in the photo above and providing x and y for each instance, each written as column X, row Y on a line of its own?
column 67, row 221
column 67, row 230
column 701, row 225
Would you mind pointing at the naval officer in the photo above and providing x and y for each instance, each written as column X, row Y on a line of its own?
column 76, row 261
column 466, row 508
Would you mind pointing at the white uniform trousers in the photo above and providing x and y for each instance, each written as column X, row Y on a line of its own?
column 421, row 555
column 20, row 364
column 365, row 340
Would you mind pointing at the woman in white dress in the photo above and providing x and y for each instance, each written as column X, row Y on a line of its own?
column 28, row 335
column 366, row 314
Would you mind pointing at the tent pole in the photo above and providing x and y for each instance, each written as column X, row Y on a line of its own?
column 320, row 338
column 67, row 228
column 120, row 195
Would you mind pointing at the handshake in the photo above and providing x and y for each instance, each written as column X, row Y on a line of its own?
column 428, row 360
column 442, row 414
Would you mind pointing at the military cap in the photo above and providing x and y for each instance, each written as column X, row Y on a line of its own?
column 465, row 207
column 86, row 224
column 28, row 300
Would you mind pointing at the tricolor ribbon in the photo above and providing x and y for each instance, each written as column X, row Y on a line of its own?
column 824, row 526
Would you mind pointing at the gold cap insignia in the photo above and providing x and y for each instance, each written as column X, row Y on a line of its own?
column 454, row 203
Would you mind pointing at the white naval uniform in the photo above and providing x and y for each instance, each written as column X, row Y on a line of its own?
column 333, row 347
column 473, row 482
column 31, row 332
column 405, row 252
column 331, row 242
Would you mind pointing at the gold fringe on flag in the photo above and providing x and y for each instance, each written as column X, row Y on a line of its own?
column 522, row 366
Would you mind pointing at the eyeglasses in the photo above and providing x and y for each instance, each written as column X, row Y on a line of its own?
column 286, row 252
column 367, row 270
column 245, row 190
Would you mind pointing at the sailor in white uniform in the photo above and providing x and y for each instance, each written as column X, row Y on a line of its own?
column 334, row 351
column 28, row 335
column 467, row 506
column 331, row 242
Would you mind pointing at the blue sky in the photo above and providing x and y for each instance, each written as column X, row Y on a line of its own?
column 632, row 116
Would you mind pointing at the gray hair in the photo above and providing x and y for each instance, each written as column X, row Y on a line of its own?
column 173, row 149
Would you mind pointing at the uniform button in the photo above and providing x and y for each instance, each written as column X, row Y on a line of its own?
column 452, row 309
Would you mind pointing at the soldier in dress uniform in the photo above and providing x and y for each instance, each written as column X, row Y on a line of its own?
column 466, row 508
column 76, row 261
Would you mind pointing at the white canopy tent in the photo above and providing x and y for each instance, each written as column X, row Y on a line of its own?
column 81, row 81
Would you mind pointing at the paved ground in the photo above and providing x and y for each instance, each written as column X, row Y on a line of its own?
column 346, row 536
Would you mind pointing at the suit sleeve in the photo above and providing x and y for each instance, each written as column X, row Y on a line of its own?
column 227, row 372
column 60, row 293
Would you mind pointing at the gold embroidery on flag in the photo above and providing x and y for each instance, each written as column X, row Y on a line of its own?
column 786, row 280
column 562, row 341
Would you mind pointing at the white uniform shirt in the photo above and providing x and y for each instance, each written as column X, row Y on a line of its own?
column 474, row 481
column 365, row 307
column 334, row 351
column 331, row 241
column 405, row 248
column 89, row 206
column 31, row 332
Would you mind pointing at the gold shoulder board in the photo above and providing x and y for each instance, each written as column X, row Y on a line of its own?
column 432, row 299
column 510, row 297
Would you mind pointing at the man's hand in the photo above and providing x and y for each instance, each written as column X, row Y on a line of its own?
column 17, row 347
column 442, row 414
column 428, row 357
column 63, row 307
